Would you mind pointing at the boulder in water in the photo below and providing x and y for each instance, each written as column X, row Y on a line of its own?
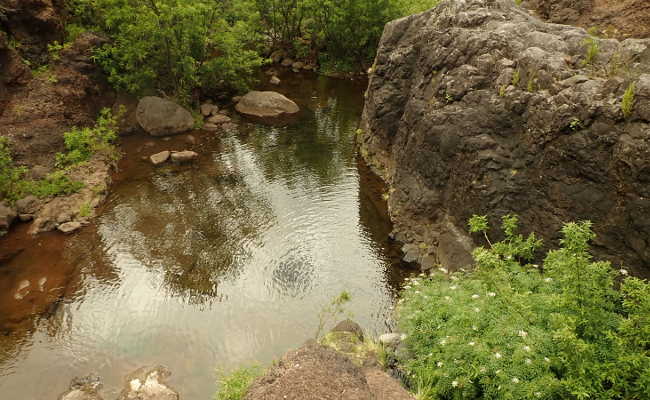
column 162, row 117
column 266, row 104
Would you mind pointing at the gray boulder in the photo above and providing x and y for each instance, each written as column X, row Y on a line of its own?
column 218, row 119
column 161, row 117
column 266, row 104
column 477, row 107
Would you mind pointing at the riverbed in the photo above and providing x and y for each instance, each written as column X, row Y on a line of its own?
column 209, row 266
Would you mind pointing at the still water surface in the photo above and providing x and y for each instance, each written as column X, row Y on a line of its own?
column 213, row 265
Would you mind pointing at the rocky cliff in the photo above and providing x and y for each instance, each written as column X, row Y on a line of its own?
column 476, row 107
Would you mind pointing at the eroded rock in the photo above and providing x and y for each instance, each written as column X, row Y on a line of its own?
column 266, row 104
column 477, row 107
column 7, row 216
column 85, row 388
column 183, row 156
column 162, row 117
column 148, row 383
column 69, row 227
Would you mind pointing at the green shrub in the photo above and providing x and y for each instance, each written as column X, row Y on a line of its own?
column 509, row 331
column 593, row 49
column 235, row 385
column 10, row 175
column 176, row 46
column 56, row 183
column 82, row 143
column 627, row 105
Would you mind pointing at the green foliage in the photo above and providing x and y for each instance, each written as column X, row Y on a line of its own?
column 10, row 175
column 56, row 183
column 593, row 49
column 82, row 143
column 516, row 78
column 575, row 124
column 44, row 72
column 332, row 311
column 509, row 331
column 627, row 105
column 85, row 210
column 54, row 49
column 518, row 2
column 409, row 7
column 235, row 385
column 175, row 45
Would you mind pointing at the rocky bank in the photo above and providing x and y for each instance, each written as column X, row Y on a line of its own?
column 477, row 107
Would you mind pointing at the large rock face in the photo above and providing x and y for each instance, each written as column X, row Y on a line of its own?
column 475, row 107
column 266, row 104
column 161, row 117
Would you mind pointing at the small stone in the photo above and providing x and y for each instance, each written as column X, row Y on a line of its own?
column 183, row 156
column 390, row 339
column 218, row 119
column 275, row 80
column 159, row 158
column 190, row 139
column 210, row 127
column 69, row 227
column 208, row 109
column 297, row 65
column 287, row 62
column 26, row 217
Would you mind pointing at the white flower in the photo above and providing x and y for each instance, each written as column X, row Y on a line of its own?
column 415, row 282
column 491, row 294
column 430, row 354
column 538, row 394
column 454, row 383
column 439, row 364
column 447, row 298
column 454, row 278
column 476, row 309
column 548, row 279
column 407, row 286
column 443, row 342
column 417, row 292
column 515, row 380
column 475, row 296
column 529, row 361
column 453, row 287
column 522, row 333
column 547, row 359
column 526, row 348
column 497, row 355
column 474, row 328
column 444, row 270
column 623, row 271
column 471, row 343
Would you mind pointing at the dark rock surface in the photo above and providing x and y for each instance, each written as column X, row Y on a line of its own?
column 476, row 107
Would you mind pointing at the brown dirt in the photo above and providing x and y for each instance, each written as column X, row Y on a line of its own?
column 618, row 19
column 36, row 114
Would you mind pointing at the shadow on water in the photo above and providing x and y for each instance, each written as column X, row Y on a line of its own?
column 211, row 265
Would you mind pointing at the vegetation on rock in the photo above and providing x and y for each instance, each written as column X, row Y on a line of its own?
column 233, row 386
column 515, row 330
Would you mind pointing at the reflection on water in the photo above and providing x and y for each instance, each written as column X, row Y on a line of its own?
column 210, row 265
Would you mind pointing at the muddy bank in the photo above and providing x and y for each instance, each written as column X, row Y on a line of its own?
column 506, row 114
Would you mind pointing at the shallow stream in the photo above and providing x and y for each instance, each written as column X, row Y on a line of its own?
column 214, row 265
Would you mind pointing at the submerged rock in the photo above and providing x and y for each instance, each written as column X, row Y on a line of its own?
column 266, row 104
column 476, row 107
column 148, row 383
column 161, row 117
column 274, row 80
column 208, row 109
column 218, row 119
column 85, row 388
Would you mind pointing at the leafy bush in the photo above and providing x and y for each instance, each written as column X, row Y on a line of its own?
column 235, row 385
column 56, row 183
column 515, row 330
column 174, row 45
column 82, row 143
column 10, row 175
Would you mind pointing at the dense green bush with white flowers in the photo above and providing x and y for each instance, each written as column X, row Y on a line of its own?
column 510, row 329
